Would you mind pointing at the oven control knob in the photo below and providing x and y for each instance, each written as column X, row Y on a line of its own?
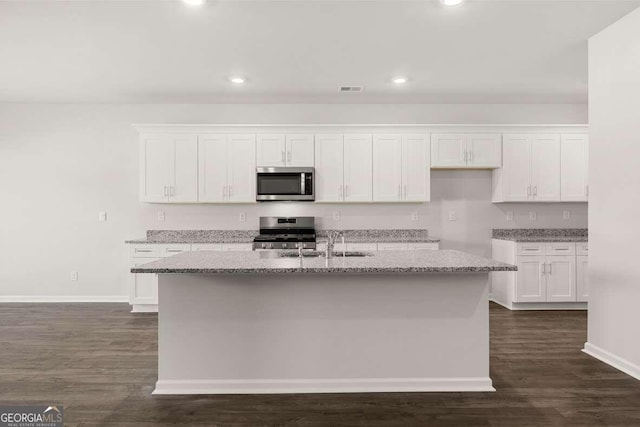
column 284, row 246
column 297, row 245
column 264, row 245
column 270, row 245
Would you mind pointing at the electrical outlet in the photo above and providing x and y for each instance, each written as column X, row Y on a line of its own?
column 533, row 216
column 160, row 216
column 566, row 215
column 74, row 276
column 243, row 217
column 509, row 215
column 336, row 216
column 414, row 216
column 102, row 216
column 452, row 216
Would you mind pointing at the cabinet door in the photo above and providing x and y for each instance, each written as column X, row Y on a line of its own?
column 155, row 158
column 574, row 161
column 241, row 178
column 561, row 278
column 358, row 168
column 416, row 172
column 530, row 285
column 545, row 167
column 144, row 286
column 516, row 168
column 212, row 168
column 582, row 283
column 484, row 150
column 271, row 150
column 387, row 168
column 300, row 151
column 184, row 169
column 329, row 159
column 448, row 150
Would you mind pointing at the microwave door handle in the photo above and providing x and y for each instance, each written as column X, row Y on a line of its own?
column 302, row 183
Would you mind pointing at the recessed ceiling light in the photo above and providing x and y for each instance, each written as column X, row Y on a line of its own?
column 451, row 2
column 400, row 80
column 237, row 80
column 194, row 2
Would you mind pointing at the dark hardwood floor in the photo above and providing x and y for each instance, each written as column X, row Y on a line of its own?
column 99, row 361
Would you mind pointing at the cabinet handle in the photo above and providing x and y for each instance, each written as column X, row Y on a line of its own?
column 535, row 190
column 289, row 156
column 549, row 268
column 172, row 190
column 470, row 156
column 346, row 190
column 224, row 192
column 143, row 250
column 400, row 191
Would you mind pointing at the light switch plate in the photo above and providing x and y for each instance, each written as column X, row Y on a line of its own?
column 243, row 217
column 414, row 216
column 533, row 216
column 160, row 216
column 336, row 216
column 102, row 216
column 566, row 215
column 74, row 276
column 509, row 215
column 452, row 216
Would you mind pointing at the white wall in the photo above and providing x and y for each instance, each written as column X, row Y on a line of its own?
column 614, row 211
column 62, row 164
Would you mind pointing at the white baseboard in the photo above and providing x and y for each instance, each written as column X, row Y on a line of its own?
column 350, row 385
column 611, row 359
column 58, row 299
column 144, row 308
column 520, row 306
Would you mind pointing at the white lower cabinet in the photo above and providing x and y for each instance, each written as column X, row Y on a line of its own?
column 547, row 273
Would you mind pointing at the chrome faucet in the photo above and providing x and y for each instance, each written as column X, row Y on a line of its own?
column 332, row 236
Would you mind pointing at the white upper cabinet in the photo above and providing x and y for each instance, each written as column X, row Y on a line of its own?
column 461, row 151
column 169, row 168
column 358, row 168
column 300, row 150
column 387, row 168
column 329, row 164
column 401, row 168
column 285, row 150
column 574, row 168
column 271, row 150
column 530, row 169
column 227, row 168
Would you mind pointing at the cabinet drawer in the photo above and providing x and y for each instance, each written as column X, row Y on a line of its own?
column 399, row 246
column 362, row 246
column 561, row 248
column 582, row 248
column 145, row 251
column 170, row 250
column 237, row 247
column 206, row 247
column 432, row 246
column 531, row 248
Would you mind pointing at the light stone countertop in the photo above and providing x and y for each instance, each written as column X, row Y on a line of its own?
column 542, row 235
column 269, row 262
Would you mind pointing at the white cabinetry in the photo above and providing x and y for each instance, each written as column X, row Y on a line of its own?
column 343, row 168
column 226, row 168
column 401, row 168
column 582, row 279
column 462, row 151
column 530, row 169
column 574, row 169
column 285, row 150
column 548, row 274
column 169, row 168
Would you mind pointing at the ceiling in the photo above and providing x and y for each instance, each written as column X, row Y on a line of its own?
column 155, row 51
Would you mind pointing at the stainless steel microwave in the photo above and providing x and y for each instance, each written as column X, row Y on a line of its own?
column 278, row 184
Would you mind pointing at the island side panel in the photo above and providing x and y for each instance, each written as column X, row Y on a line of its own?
column 283, row 333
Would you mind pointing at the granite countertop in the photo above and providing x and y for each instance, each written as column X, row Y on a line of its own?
column 246, row 236
column 542, row 234
column 419, row 261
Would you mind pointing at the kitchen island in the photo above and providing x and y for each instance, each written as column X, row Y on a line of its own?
column 270, row 322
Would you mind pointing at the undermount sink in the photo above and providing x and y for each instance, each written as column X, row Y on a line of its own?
column 317, row 254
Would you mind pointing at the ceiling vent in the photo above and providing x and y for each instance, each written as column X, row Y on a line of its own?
column 351, row 88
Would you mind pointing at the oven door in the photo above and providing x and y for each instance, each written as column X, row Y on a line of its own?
column 275, row 184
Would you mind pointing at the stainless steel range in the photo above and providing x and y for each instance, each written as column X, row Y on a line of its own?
column 286, row 233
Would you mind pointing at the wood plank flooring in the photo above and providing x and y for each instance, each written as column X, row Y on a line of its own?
column 99, row 361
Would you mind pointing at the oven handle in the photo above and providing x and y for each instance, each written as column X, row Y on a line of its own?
column 303, row 182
